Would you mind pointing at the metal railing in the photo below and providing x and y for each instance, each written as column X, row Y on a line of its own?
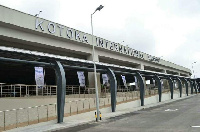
column 21, row 90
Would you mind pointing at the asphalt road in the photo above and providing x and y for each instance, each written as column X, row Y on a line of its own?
column 179, row 116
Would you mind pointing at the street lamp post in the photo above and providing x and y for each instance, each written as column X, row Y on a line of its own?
column 93, row 56
column 193, row 68
column 37, row 15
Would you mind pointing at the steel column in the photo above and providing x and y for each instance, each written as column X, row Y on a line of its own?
column 61, row 90
column 113, row 88
column 195, row 87
column 159, row 87
column 179, row 86
column 170, row 81
column 186, row 85
column 141, row 85
column 191, row 86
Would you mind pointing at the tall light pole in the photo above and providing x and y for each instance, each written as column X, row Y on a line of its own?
column 93, row 56
column 193, row 68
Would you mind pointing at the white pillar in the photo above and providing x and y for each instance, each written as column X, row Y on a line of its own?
column 26, row 91
column 140, row 66
column 14, row 91
column 36, row 90
column 1, row 90
column 20, row 88
column 47, row 90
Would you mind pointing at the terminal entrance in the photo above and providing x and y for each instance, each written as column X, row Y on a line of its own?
column 18, row 80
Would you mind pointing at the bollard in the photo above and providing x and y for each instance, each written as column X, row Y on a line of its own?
column 89, row 103
column 47, row 113
column 77, row 108
column 132, row 94
column 4, row 123
column 55, row 108
column 99, row 115
column 83, row 104
column 38, row 114
column 28, row 115
column 70, row 110
column 16, row 119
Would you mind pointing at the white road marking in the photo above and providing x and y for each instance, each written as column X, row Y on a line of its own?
column 195, row 126
column 171, row 109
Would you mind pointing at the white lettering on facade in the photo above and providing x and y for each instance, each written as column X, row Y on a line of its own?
column 37, row 23
column 61, row 27
column 131, row 52
column 50, row 29
column 121, row 48
column 77, row 35
column 82, row 37
column 111, row 46
column 99, row 42
column 69, row 33
column 136, row 53
column 153, row 58
column 116, row 47
column 107, row 44
column 85, row 38
column 126, row 50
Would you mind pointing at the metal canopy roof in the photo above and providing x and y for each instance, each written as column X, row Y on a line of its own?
column 47, row 59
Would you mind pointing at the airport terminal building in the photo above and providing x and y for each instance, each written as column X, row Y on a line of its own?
column 21, row 32
column 40, row 58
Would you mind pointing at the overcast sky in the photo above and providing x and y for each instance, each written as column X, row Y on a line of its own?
column 168, row 28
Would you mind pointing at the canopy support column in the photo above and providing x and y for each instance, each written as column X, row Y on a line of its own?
column 179, row 86
column 170, row 81
column 159, row 87
column 141, row 85
column 186, row 85
column 113, row 88
column 61, row 90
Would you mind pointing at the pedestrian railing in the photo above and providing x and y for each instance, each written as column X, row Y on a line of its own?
column 21, row 90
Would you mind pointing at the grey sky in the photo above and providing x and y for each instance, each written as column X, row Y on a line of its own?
column 158, row 27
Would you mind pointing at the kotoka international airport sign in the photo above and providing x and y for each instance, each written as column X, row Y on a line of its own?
column 78, row 36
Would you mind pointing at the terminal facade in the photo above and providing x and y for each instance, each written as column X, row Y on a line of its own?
column 30, row 33
column 27, row 41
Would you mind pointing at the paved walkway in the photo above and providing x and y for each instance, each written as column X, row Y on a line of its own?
column 84, row 118
column 178, row 116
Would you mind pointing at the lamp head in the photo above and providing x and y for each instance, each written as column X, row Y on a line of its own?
column 99, row 8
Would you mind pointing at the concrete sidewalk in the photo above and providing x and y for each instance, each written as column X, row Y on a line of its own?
column 89, row 117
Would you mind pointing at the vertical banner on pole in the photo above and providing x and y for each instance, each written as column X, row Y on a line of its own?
column 124, row 81
column 136, row 82
column 105, row 79
column 154, row 82
column 39, row 76
column 81, row 78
